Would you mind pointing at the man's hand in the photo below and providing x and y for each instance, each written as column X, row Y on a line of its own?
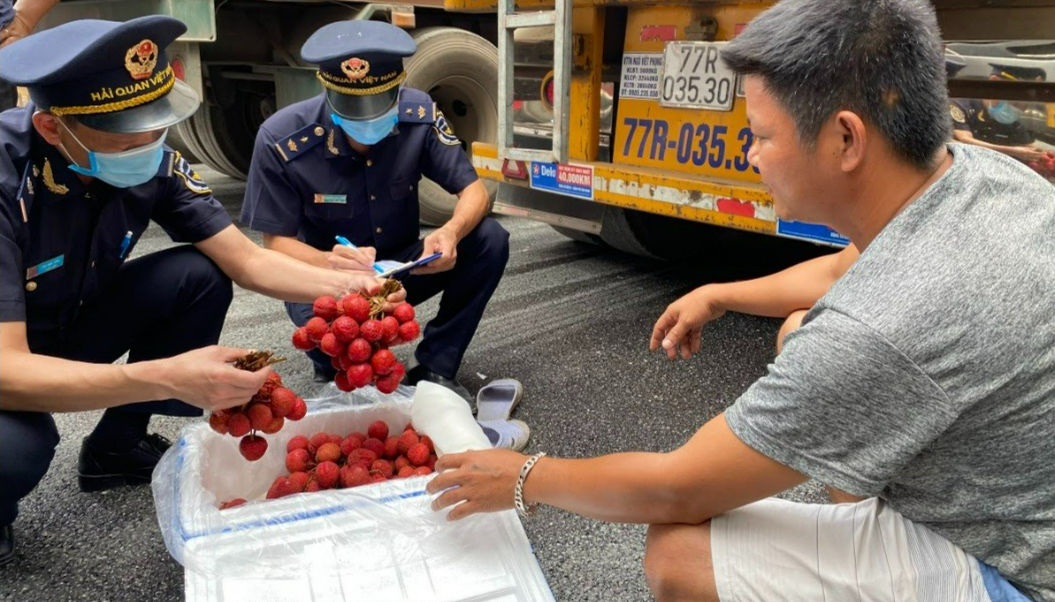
column 442, row 240
column 346, row 258
column 207, row 379
column 681, row 324
column 1026, row 153
column 478, row 481
column 393, row 300
column 15, row 30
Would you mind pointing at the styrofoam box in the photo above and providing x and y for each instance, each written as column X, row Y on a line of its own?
column 379, row 542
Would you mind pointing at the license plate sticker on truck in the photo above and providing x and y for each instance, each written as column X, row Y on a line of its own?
column 694, row 76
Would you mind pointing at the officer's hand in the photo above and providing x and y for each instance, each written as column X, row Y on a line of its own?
column 15, row 30
column 1026, row 153
column 440, row 241
column 393, row 300
column 477, row 481
column 207, row 379
column 680, row 325
column 346, row 258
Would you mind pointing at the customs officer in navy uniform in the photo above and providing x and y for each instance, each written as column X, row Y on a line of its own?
column 83, row 170
column 996, row 124
column 348, row 163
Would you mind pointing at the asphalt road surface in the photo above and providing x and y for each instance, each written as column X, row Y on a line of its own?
column 570, row 321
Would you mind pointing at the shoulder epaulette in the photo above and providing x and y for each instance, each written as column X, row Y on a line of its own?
column 294, row 145
column 417, row 111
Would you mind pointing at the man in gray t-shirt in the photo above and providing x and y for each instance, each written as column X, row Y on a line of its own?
column 923, row 380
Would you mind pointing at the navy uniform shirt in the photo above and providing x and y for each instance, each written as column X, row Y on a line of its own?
column 972, row 116
column 60, row 240
column 307, row 181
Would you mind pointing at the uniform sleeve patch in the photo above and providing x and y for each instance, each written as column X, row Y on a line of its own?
column 957, row 114
column 190, row 178
column 444, row 131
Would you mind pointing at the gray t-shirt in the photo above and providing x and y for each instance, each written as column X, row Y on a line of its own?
column 926, row 375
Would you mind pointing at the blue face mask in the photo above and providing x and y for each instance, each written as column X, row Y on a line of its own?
column 371, row 131
column 125, row 169
column 1005, row 113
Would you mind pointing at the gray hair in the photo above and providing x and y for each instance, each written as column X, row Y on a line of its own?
column 881, row 59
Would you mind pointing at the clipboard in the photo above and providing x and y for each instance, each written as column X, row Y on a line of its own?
column 406, row 267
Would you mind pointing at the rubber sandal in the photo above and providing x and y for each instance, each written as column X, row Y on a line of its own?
column 507, row 434
column 497, row 399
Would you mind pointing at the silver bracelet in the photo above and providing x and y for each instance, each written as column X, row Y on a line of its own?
column 518, row 491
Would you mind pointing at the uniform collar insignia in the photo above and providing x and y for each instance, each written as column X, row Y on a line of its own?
column 49, row 180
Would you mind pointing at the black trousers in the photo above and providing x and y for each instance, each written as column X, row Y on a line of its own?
column 161, row 305
column 482, row 258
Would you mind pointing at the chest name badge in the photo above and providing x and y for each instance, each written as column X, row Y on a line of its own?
column 43, row 268
column 331, row 199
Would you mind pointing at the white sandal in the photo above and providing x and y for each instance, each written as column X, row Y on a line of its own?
column 497, row 399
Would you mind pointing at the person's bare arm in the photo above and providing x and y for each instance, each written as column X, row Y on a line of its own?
column 34, row 382
column 1026, row 152
column 27, row 14
column 277, row 275
column 776, row 295
column 473, row 206
column 714, row 472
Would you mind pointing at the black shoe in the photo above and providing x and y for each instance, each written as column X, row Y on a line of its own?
column 324, row 374
column 419, row 373
column 98, row 470
column 7, row 544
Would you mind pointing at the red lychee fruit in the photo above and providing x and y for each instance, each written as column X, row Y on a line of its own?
column 342, row 382
column 299, row 481
column 301, row 340
column 350, row 444
column 375, row 445
column 279, row 488
column 316, row 328
column 400, row 463
column 259, row 416
column 392, row 447
column 383, row 467
column 326, row 473
column 359, row 350
column 372, row 331
column 252, row 447
column 354, row 476
column 362, row 456
column 383, row 361
column 298, row 442
column 360, row 375
column 218, row 422
column 326, row 308
column 408, row 331
column 390, row 327
column 377, row 478
column 299, row 460
column 404, row 312
column 398, row 372
column 274, row 426
column 345, row 329
column 317, row 440
column 328, row 452
column 330, row 345
column 432, row 462
column 428, row 442
column 299, row 410
column 387, row 384
column 406, row 471
column 313, row 486
column 357, row 435
column 238, row 425
column 421, row 471
column 418, row 454
column 357, row 308
column 282, row 402
column 406, row 440
column 378, row 430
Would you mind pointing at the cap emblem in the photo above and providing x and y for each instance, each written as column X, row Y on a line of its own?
column 141, row 59
column 355, row 68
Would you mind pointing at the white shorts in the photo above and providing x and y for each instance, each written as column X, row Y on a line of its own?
column 777, row 550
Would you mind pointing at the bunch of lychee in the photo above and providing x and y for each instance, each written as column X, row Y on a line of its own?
column 357, row 334
column 327, row 461
column 266, row 412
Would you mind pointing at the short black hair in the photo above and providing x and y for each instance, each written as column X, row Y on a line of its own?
column 881, row 59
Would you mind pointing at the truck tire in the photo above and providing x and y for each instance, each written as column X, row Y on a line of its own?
column 459, row 70
column 658, row 236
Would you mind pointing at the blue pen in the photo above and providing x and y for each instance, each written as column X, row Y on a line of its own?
column 344, row 241
column 125, row 243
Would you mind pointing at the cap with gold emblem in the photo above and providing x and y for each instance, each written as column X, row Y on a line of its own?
column 1018, row 72
column 360, row 65
column 110, row 76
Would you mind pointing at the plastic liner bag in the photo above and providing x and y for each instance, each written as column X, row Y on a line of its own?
column 381, row 539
